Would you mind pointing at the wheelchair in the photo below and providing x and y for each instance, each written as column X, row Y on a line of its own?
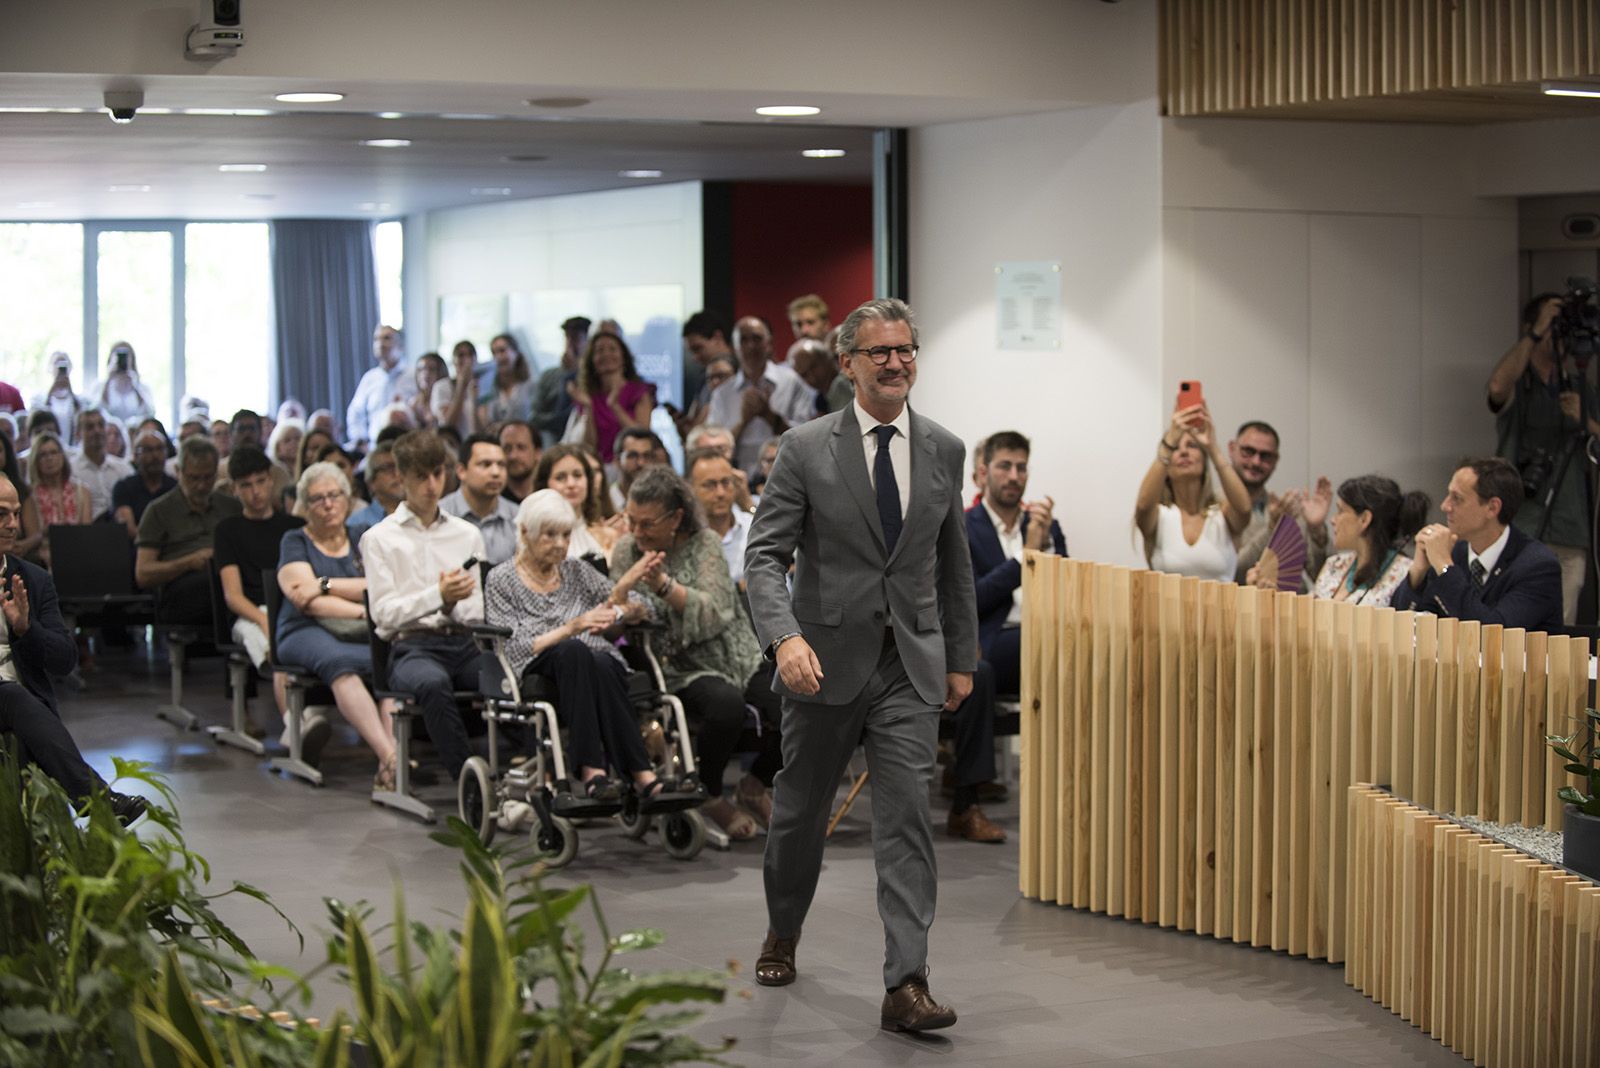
column 486, row 792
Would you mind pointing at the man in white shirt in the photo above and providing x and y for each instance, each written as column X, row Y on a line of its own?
column 482, row 472
column 422, row 583
column 763, row 400
column 715, row 486
column 93, row 466
column 380, row 387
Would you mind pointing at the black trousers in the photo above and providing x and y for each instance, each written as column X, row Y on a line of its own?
column 433, row 669
column 1005, row 654
column 715, row 709
column 592, row 703
column 44, row 740
column 186, row 601
column 974, row 730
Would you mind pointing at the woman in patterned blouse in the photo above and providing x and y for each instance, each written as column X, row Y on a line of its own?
column 560, row 611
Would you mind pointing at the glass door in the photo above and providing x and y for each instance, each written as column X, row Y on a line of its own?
column 138, row 303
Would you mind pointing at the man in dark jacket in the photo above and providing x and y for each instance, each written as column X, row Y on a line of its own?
column 35, row 644
column 1480, row 566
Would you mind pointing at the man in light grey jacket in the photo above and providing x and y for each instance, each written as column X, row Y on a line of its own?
column 880, row 634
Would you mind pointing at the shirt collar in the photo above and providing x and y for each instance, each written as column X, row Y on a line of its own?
column 1000, row 524
column 1490, row 556
column 867, row 423
column 408, row 518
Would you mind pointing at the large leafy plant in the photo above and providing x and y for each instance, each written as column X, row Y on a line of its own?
column 1580, row 758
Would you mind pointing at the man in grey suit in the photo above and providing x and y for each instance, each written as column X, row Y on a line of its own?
column 881, row 632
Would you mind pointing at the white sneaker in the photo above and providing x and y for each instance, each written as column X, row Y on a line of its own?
column 514, row 816
column 315, row 730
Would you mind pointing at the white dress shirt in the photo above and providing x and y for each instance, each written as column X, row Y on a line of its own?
column 787, row 395
column 1011, row 548
column 403, row 560
column 499, row 528
column 376, row 391
column 99, row 478
column 733, row 543
column 1490, row 556
column 899, row 451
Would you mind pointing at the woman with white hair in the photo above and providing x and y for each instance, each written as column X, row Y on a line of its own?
column 560, row 611
column 322, row 624
column 283, row 446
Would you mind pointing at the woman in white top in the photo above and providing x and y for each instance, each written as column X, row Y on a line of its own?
column 1186, row 530
column 454, row 400
column 123, row 395
column 1371, row 522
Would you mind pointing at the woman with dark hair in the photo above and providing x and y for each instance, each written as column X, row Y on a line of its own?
column 1372, row 521
column 509, row 394
column 610, row 394
column 1187, row 530
column 565, row 469
column 454, row 399
column 429, row 371
column 709, row 654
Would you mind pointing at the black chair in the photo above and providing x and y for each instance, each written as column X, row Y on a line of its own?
column 405, row 712
column 301, row 688
column 240, row 668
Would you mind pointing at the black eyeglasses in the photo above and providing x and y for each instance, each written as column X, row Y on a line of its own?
column 879, row 354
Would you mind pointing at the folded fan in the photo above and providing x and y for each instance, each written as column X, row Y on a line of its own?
column 1288, row 547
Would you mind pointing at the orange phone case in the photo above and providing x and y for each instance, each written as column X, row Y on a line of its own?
column 1189, row 395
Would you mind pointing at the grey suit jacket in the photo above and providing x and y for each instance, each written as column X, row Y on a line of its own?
column 818, row 511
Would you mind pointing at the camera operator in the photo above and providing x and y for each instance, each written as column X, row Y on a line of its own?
column 1544, row 411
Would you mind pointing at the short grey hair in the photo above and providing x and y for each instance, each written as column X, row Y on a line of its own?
column 665, row 487
column 883, row 310
column 545, row 510
column 196, row 448
column 706, row 430
column 317, row 472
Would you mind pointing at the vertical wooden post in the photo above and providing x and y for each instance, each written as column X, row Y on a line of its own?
column 1490, row 701
column 1077, row 891
column 1469, row 647
column 1038, row 628
column 1228, row 890
column 1170, row 789
column 1204, row 799
column 1056, row 788
column 1120, row 656
column 1514, row 664
column 1445, row 736
column 1099, row 748
column 1534, row 698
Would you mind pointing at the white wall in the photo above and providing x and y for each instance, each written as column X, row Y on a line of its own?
column 1082, row 186
column 1344, row 282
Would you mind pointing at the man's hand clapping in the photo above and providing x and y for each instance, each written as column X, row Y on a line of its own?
column 15, row 606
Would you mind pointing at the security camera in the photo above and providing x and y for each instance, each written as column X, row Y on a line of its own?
column 219, row 37
column 124, row 104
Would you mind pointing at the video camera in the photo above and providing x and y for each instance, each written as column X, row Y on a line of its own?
column 1576, row 328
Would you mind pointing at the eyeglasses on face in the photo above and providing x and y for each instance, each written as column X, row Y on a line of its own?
column 879, row 354
column 317, row 500
column 640, row 522
column 1250, row 452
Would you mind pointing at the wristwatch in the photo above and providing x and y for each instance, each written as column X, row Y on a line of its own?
column 772, row 650
column 325, row 584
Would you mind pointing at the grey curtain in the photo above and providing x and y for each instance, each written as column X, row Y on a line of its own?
column 326, row 289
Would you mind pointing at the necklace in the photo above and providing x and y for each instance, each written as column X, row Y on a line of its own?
column 545, row 583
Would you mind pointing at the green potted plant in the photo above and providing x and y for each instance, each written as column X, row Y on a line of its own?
column 1580, row 825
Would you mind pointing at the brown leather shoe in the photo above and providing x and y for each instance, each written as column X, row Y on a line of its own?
column 909, row 1007
column 974, row 826
column 775, row 965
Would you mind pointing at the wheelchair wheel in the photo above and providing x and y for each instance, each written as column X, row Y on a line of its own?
column 635, row 824
column 683, row 834
column 475, row 800
column 556, row 842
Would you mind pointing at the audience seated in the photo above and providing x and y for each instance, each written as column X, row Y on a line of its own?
column 149, row 481
column 386, row 487
column 422, row 579
column 1254, row 454
column 1479, row 566
column 54, row 497
column 245, row 429
column 247, row 545
column 222, row 437
column 322, row 419
column 122, row 394
column 176, row 538
column 560, row 611
column 98, row 470
column 283, row 445
column 482, row 470
column 709, row 654
column 453, row 401
column 637, row 447
column 380, row 387
column 41, row 422
column 562, row 468
column 609, row 394
column 509, row 393
column 60, row 400
column 715, row 486
column 818, row 367
column 118, row 440
column 720, row 439
column 764, row 399
column 322, row 624
column 552, row 404
column 519, row 440
column 1186, row 531
column 758, row 478
column 1372, row 522
column 35, row 645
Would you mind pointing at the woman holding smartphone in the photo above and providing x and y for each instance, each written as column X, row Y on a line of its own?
column 1187, row 530
column 123, row 396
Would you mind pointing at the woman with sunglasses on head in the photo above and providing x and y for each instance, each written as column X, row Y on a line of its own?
column 1187, row 530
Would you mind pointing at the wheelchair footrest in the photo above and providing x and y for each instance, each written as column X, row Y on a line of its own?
column 575, row 807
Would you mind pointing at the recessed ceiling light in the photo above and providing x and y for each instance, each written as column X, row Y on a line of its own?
column 470, row 116
column 1570, row 89
column 127, row 189
column 228, row 111
column 788, row 110
column 559, row 101
column 371, row 205
column 242, row 168
column 391, row 115
column 491, row 191
column 309, row 98
column 526, row 159
column 387, row 142
column 822, row 153
column 638, row 174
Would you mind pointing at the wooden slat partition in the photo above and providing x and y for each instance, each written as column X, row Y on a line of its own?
column 1490, row 951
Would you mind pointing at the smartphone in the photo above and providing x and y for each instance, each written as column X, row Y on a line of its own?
column 1189, row 395
column 122, row 356
column 470, row 564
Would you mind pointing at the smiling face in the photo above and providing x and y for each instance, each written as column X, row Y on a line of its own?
column 1188, row 459
column 10, row 515
column 882, row 390
column 607, row 356
column 504, row 352
column 570, row 478
column 1254, row 454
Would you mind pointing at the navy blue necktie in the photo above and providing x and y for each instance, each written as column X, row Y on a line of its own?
column 888, row 489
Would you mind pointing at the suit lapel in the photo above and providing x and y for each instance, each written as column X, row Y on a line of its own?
column 850, row 458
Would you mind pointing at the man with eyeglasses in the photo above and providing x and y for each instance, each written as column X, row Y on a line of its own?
column 881, row 633
column 763, row 400
column 716, row 486
column 386, row 487
column 35, row 644
column 1254, row 455
column 132, row 495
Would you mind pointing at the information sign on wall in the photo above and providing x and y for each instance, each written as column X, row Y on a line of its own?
column 1027, row 304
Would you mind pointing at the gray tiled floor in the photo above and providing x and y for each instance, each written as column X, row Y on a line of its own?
column 1034, row 984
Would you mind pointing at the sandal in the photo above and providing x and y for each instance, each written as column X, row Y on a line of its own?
column 756, row 799
column 734, row 822
column 601, row 788
column 384, row 781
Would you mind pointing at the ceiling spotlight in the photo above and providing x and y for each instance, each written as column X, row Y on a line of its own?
column 492, row 191
column 822, row 153
column 242, row 168
column 787, row 111
column 559, row 102
column 387, row 142
column 127, row 189
column 1570, row 89
column 638, row 174
column 309, row 98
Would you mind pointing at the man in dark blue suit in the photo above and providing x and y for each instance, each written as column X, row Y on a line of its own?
column 35, row 644
column 1000, row 528
column 1479, row 566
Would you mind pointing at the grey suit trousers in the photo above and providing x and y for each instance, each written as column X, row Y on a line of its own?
column 901, row 734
